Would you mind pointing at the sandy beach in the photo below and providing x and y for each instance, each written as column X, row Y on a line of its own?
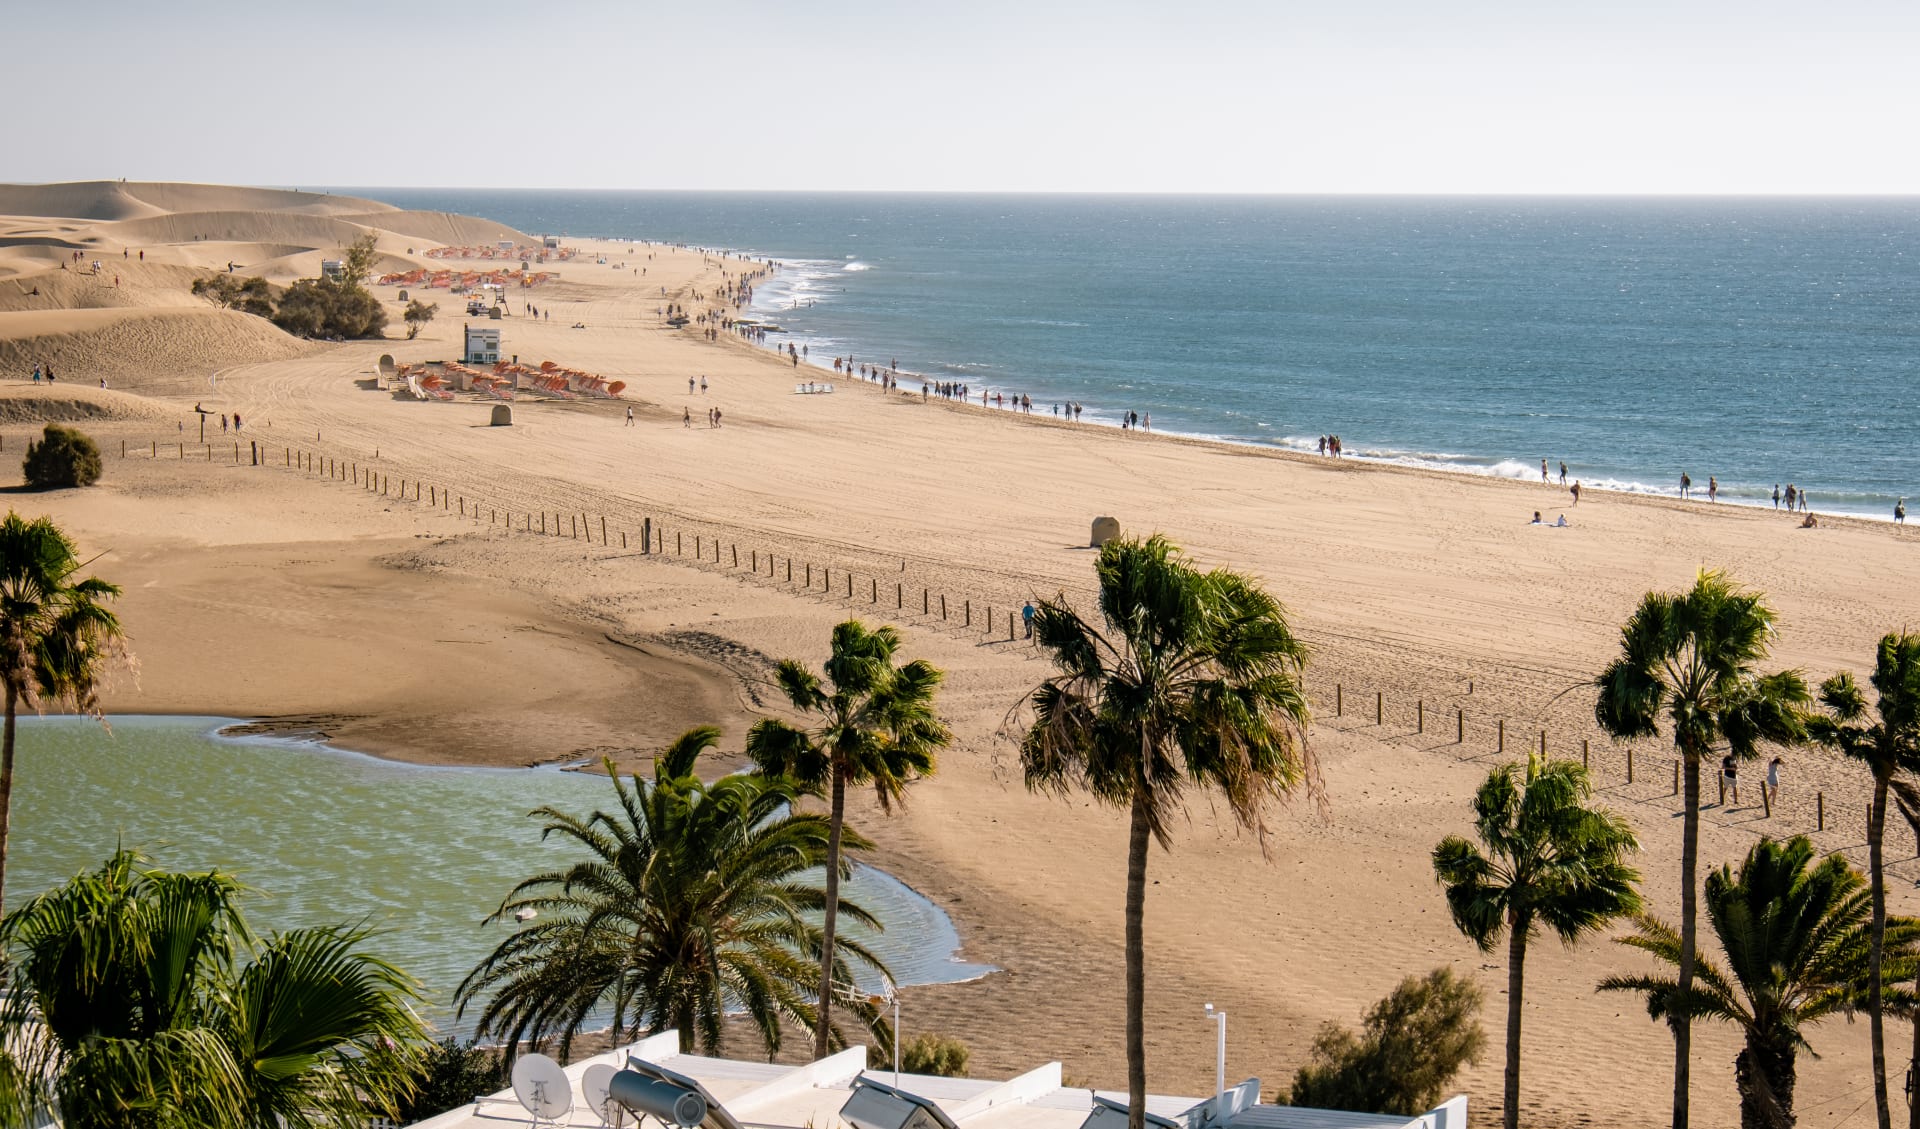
column 418, row 631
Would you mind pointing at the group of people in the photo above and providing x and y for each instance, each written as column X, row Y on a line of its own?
column 1330, row 445
column 1134, row 421
column 45, row 370
column 225, row 420
column 1796, row 499
column 1730, row 779
column 686, row 417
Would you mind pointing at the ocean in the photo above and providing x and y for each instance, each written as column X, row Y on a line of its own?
column 1759, row 341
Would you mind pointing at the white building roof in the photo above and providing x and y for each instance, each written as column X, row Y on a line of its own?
column 759, row 1095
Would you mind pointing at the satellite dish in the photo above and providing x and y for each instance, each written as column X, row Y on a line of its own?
column 594, row 1085
column 542, row 1087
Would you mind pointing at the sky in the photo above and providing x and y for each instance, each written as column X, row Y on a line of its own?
column 1335, row 96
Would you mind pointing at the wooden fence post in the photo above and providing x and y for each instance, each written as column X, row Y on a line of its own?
column 1459, row 726
column 1339, row 700
column 809, row 574
column 1543, row 744
column 873, row 591
column 1820, row 811
column 1629, row 765
column 1503, row 736
column 924, row 609
column 1583, row 753
column 1676, row 776
column 849, row 586
column 943, row 607
column 1010, row 635
column 1379, row 706
column 1420, row 716
column 899, row 596
column 753, row 558
column 623, row 537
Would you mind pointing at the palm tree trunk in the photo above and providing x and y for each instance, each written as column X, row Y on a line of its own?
column 1764, row 1075
column 1913, row 1065
column 1137, row 837
column 1516, row 988
column 6, row 787
column 1689, row 912
column 1876, row 875
column 823, row 1024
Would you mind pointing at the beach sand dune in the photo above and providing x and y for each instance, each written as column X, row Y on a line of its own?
column 145, row 349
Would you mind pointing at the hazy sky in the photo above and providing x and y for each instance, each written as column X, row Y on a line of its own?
column 1178, row 95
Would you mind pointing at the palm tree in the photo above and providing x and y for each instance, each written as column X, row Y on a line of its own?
column 1797, row 937
column 1194, row 681
column 690, row 901
column 1889, row 747
column 876, row 726
column 140, row 998
column 1692, row 655
column 1550, row 859
column 57, row 638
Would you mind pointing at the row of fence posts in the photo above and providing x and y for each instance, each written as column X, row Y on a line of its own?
column 577, row 524
column 1586, row 754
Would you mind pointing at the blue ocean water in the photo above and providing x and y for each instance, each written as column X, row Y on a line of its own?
column 1761, row 341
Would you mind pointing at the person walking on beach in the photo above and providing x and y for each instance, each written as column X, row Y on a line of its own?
column 1776, row 495
column 1543, row 471
column 1686, row 484
column 629, row 415
column 1900, row 512
column 1576, row 491
column 1026, row 617
column 686, row 417
column 1772, row 787
column 1713, row 488
column 1563, row 472
column 1729, row 779
column 1793, row 497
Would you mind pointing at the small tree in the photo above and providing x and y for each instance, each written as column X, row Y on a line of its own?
column 938, row 1055
column 62, row 457
column 418, row 315
column 1412, row 1044
column 357, row 262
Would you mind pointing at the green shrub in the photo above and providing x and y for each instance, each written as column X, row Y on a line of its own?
column 248, row 295
column 62, row 457
column 451, row 1074
column 1410, row 1046
column 934, row 1054
column 321, row 307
